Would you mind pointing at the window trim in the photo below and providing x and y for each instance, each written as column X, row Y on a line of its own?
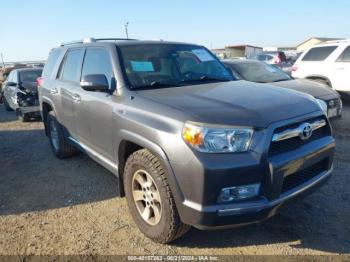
column 335, row 47
column 110, row 61
column 342, row 54
column 63, row 61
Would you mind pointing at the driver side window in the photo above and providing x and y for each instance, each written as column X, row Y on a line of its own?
column 9, row 77
column 97, row 62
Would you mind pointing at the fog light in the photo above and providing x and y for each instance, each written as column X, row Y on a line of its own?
column 239, row 192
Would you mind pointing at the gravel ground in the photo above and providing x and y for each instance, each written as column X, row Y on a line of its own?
column 50, row 207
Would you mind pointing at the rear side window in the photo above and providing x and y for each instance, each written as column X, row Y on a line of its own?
column 97, row 62
column 345, row 56
column 71, row 68
column 319, row 53
column 51, row 61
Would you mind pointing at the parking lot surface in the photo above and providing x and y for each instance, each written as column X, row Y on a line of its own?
column 67, row 207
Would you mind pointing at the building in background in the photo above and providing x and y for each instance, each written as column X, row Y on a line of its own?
column 313, row 41
column 237, row 51
column 248, row 51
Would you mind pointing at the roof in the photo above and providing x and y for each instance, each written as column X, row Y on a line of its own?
column 322, row 39
column 26, row 69
column 242, row 46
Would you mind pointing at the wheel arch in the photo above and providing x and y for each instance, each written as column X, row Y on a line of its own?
column 46, row 107
column 129, row 143
column 313, row 77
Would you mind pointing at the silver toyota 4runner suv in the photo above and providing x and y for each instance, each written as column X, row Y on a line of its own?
column 190, row 145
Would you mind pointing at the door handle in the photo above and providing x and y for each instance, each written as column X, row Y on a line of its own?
column 340, row 68
column 54, row 91
column 76, row 98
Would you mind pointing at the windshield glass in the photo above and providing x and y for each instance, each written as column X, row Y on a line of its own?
column 30, row 76
column 260, row 72
column 168, row 65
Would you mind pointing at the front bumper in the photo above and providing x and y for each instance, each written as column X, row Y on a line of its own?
column 30, row 109
column 255, row 211
column 202, row 177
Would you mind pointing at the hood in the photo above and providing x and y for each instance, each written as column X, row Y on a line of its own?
column 313, row 88
column 239, row 103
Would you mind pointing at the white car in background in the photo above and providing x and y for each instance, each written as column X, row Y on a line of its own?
column 328, row 63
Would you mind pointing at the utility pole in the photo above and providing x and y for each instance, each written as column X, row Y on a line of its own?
column 126, row 30
column 2, row 59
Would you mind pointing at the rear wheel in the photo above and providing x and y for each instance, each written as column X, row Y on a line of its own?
column 59, row 145
column 150, row 199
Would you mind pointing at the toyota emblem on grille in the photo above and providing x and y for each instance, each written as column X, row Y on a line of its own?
column 331, row 103
column 306, row 132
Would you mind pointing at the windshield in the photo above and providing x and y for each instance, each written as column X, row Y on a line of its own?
column 259, row 72
column 30, row 76
column 168, row 65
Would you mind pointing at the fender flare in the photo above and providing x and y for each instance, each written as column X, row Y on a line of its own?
column 310, row 77
column 141, row 141
column 126, row 135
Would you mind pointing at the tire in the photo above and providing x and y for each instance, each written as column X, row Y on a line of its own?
column 59, row 145
column 169, row 226
column 7, row 107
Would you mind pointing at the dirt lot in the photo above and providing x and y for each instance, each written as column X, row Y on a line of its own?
column 50, row 206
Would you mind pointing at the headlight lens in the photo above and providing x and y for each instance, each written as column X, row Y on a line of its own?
column 217, row 139
column 323, row 105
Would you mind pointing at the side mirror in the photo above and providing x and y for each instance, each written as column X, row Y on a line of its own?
column 94, row 83
column 11, row 84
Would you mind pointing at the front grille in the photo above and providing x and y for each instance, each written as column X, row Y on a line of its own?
column 304, row 175
column 278, row 147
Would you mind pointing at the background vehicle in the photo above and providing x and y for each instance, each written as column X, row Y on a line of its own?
column 170, row 122
column 4, row 72
column 271, row 57
column 21, row 94
column 277, row 58
column 261, row 72
column 328, row 63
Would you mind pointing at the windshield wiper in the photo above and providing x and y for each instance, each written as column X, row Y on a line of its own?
column 206, row 78
column 162, row 84
column 155, row 84
column 280, row 80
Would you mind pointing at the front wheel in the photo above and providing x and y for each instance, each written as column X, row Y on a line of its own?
column 150, row 199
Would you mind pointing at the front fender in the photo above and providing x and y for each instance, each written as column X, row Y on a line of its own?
column 141, row 141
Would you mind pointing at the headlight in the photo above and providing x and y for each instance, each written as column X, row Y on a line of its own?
column 323, row 105
column 217, row 139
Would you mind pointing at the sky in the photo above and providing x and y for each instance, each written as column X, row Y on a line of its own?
column 30, row 28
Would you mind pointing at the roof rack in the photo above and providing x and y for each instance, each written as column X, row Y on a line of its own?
column 93, row 40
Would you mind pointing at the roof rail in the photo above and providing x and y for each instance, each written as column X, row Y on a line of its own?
column 114, row 39
column 92, row 40
column 336, row 41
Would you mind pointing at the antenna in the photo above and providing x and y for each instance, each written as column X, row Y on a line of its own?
column 126, row 30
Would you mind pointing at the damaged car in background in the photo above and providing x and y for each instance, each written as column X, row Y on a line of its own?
column 20, row 93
